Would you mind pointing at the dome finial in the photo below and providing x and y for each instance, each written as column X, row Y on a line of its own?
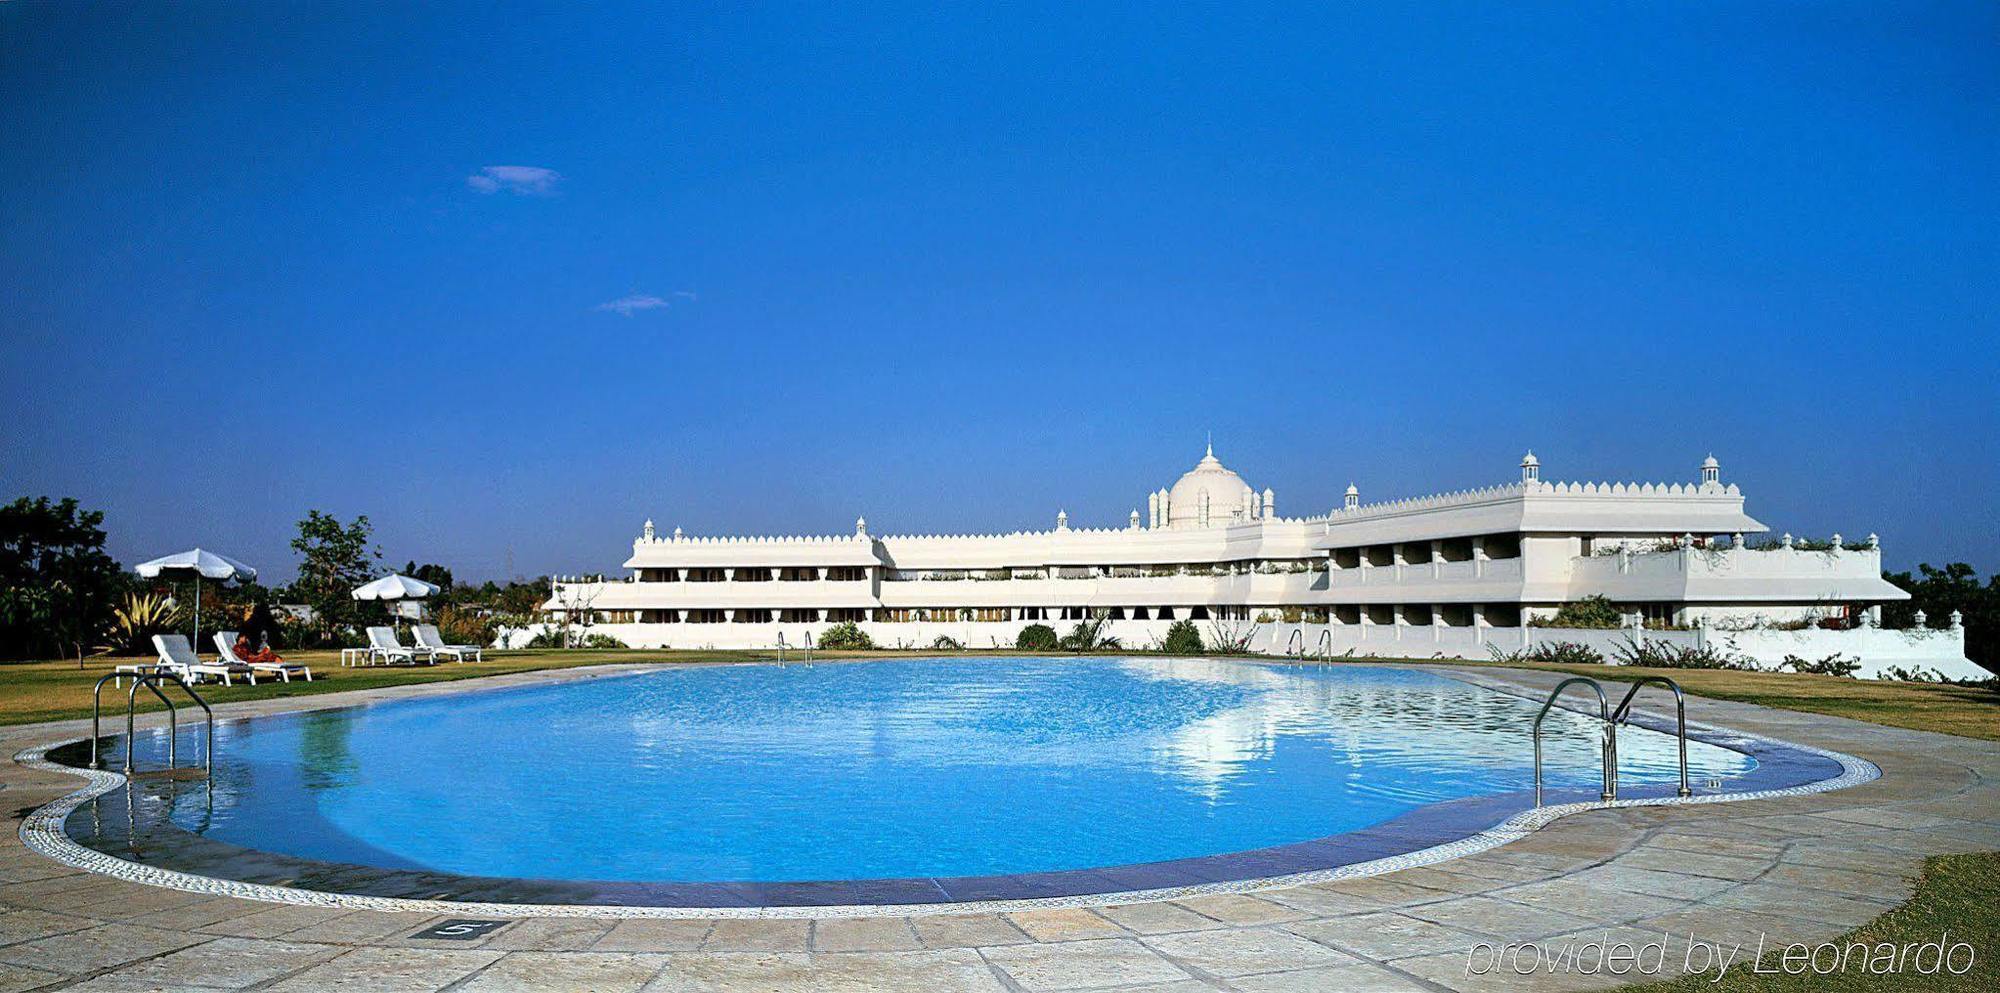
column 1211, row 445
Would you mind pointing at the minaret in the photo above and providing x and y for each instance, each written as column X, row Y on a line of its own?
column 1711, row 472
column 1270, row 504
column 861, row 527
column 1152, row 510
column 1353, row 498
column 1062, row 520
column 648, row 532
column 1531, row 468
column 1135, row 519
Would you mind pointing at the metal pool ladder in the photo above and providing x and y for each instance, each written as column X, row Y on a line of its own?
column 1623, row 715
column 1610, row 736
column 806, row 649
column 151, row 681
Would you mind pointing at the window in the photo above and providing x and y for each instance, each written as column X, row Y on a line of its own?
column 847, row 574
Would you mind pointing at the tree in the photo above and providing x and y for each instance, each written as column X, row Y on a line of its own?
column 57, row 586
column 334, row 559
column 1938, row 592
column 431, row 573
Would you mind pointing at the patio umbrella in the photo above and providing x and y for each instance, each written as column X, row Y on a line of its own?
column 396, row 586
column 197, row 565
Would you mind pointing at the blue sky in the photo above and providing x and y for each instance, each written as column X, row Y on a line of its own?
column 956, row 269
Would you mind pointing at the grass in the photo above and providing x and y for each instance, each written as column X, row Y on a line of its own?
column 1969, row 712
column 1959, row 894
column 31, row 692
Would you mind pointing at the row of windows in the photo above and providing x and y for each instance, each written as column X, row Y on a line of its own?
column 788, row 574
column 807, row 574
column 759, row 615
column 1495, row 546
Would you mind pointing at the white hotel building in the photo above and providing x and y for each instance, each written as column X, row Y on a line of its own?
column 1455, row 575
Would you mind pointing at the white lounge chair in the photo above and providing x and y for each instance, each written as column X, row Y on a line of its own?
column 225, row 649
column 382, row 644
column 178, row 657
column 429, row 638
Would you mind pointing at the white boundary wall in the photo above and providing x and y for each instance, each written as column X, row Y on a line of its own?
column 1876, row 648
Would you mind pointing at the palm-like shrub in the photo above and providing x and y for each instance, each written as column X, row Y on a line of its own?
column 138, row 619
column 846, row 634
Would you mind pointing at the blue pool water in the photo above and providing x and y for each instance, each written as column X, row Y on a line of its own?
column 905, row 768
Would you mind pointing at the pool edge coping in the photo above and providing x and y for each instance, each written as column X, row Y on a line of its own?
column 43, row 832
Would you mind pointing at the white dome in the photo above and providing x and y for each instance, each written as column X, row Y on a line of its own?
column 1229, row 497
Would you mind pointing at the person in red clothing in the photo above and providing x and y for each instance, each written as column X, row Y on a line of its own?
column 244, row 650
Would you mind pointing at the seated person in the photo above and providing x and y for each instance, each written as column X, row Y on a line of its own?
column 244, row 650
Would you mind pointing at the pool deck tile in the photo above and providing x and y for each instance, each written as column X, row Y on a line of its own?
column 1070, row 965
column 549, row 972
column 959, row 970
column 864, row 934
column 101, row 947
column 230, row 963
column 1244, row 952
column 654, row 936
column 389, row 970
column 758, row 936
column 1241, row 909
column 1386, row 935
column 967, row 931
column 1064, row 925
column 1332, row 979
column 1156, row 918
column 1790, row 868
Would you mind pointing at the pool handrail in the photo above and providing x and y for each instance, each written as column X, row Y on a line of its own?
column 151, row 681
column 1610, row 736
column 1623, row 715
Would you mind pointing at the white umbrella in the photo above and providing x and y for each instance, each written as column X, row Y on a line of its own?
column 396, row 586
column 196, row 564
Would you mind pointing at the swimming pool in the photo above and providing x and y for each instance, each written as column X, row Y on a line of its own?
column 978, row 776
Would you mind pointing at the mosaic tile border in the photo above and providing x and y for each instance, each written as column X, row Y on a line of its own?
column 43, row 832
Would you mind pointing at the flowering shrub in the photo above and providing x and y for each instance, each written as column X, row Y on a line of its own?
column 1036, row 638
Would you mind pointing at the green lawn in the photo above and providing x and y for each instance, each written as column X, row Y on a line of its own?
column 1965, row 711
column 31, row 692
column 1959, row 894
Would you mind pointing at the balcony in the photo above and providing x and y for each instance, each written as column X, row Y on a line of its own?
column 1775, row 575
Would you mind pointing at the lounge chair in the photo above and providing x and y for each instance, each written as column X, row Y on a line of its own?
column 225, row 649
column 178, row 657
column 429, row 638
column 382, row 644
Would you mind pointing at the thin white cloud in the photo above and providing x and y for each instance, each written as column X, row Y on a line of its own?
column 516, row 179
column 633, row 303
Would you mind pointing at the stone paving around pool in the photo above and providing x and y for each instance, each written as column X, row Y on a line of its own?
column 1791, row 869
